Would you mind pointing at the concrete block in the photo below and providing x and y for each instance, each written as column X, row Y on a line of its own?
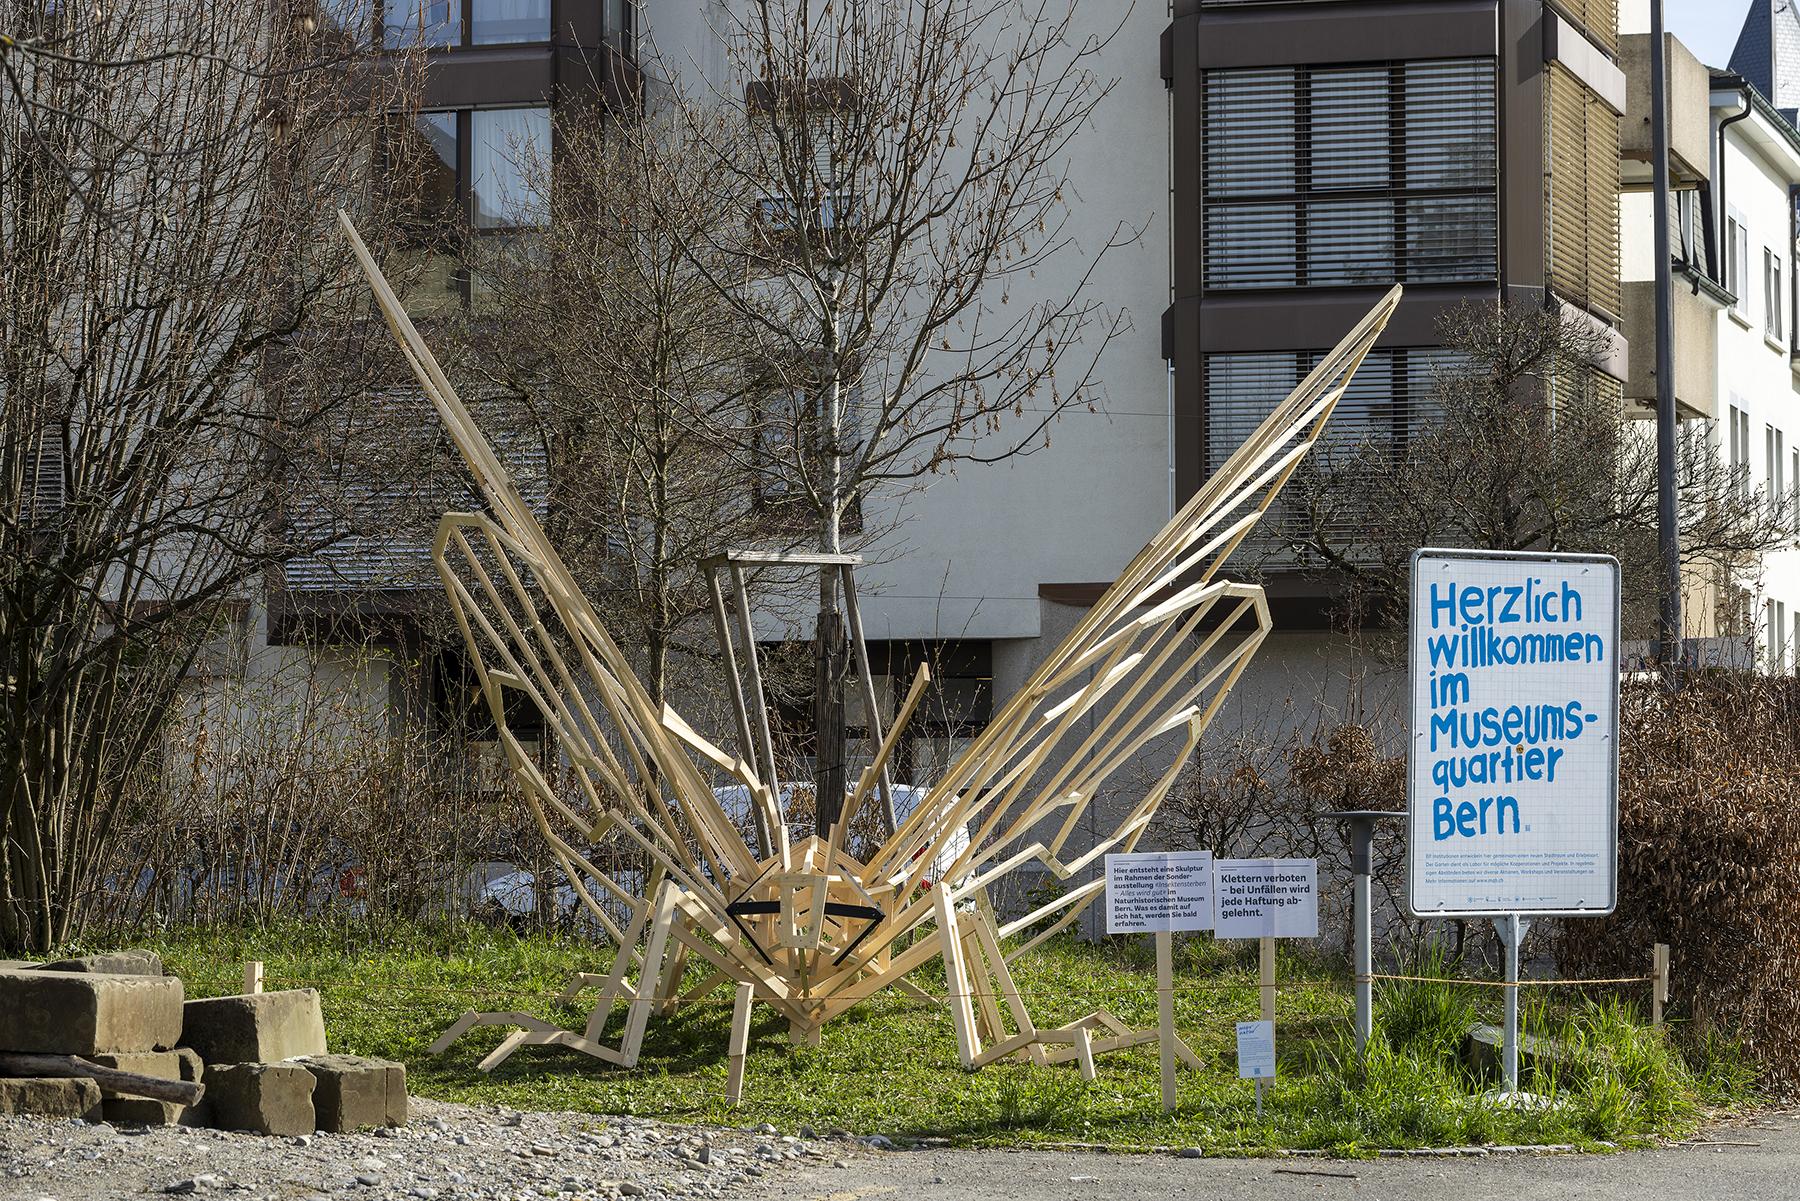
column 82, row 1013
column 142, row 1111
column 183, row 1063
column 269, row 1098
column 1482, row 1052
column 112, row 963
column 354, row 1092
column 260, row 1028
column 43, row 1098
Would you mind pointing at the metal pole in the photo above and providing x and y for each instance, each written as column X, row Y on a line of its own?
column 1362, row 856
column 1365, row 957
column 1511, row 929
column 1668, row 533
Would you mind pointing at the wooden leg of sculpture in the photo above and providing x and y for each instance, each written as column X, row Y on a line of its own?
column 986, row 930
column 638, row 1016
column 962, row 1014
column 740, row 1044
column 615, row 979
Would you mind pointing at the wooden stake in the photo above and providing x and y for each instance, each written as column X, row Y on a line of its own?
column 1084, row 1051
column 1265, row 971
column 739, row 1047
column 1659, row 982
column 253, row 977
column 1165, row 1014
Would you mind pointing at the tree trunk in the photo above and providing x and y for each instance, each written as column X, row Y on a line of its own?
column 830, row 663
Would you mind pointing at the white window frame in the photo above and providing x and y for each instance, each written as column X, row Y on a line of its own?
column 1737, row 254
column 1772, row 302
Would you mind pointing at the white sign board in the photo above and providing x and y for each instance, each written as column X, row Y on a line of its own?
column 1266, row 898
column 1159, row 890
column 1513, row 764
column 1256, row 1050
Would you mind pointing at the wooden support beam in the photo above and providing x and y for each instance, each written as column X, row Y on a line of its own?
column 1165, row 1015
column 739, row 1047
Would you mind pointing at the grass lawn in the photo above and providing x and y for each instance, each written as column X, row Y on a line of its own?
column 890, row 1066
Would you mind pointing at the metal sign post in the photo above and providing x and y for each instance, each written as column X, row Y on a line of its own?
column 1362, row 858
column 1512, row 929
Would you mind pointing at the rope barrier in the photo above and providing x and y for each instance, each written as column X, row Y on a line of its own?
column 1510, row 983
column 1026, row 995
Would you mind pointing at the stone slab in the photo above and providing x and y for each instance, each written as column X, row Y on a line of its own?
column 87, row 1013
column 258, row 1028
column 142, row 1111
column 46, row 1098
column 268, row 1098
column 354, row 1093
column 111, row 963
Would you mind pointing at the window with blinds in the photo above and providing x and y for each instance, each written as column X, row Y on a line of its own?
column 1391, row 398
column 1345, row 176
column 1581, row 208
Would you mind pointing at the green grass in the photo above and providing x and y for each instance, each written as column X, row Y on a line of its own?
column 890, row 1066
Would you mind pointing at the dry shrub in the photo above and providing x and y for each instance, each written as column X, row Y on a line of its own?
column 1709, row 861
column 294, row 795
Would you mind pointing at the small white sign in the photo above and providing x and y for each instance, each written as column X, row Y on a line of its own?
column 1256, row 1050
column 1159, row 890
column 1266, row 898
column 1513, row 774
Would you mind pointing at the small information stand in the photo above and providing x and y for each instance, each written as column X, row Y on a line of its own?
column 1256, row 1055
column 1160, row 892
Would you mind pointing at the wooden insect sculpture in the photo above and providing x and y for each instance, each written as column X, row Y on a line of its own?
column 810, row 931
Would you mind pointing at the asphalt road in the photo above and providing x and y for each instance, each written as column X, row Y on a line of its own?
column 1756, row 1160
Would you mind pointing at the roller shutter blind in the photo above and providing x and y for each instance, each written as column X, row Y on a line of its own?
column 1391, row 398
column 1582, row 202
column 1350, row 175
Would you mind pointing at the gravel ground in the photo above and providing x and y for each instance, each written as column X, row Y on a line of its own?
column 448, row 1151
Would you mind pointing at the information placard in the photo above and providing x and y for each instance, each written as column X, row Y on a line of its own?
column 1513, row 768
column 1256, row 1050
column 1159, row 890
column 1266, row 898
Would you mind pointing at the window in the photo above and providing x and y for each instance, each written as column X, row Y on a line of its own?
column 1775, row 481
column 621, row 26
column 1775, row 624
column 1740, row 449
column 425, row 156
column 1791, row 502
column 464, row 22
column 1334, row 176
column 41, row 495
column 489, row 168
column 509, row 166
column 422, row 23
column 1737, row 257
column 1390, row 400
column 1772, row 327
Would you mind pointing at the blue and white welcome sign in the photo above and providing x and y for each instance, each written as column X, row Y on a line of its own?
column 1512, row 783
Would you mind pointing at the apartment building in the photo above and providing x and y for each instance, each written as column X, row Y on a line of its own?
column 1281, row 166
column 1734, row 170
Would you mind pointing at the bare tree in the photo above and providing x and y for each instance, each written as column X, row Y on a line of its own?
column 1523, row 446
column 165, row 171
column 602, row 322
column 904, row 167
